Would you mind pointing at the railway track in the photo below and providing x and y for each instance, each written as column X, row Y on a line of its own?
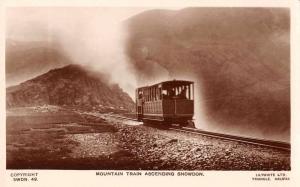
column 253, row 141
column 121, row 117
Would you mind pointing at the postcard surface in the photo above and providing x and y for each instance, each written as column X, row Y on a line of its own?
column 138, row 93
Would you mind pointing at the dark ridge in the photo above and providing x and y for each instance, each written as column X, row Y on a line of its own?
column 72, row 85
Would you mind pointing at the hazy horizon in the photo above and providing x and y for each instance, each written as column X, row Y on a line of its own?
column 87, row 35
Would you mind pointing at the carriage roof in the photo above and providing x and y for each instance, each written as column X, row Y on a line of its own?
column 170, row 83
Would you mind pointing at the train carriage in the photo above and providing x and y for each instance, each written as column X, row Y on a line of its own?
column 169, row 102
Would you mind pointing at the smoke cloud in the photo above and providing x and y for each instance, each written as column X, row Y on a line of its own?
column 89, row 36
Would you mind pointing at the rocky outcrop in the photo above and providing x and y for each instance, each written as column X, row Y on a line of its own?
column 72, row 85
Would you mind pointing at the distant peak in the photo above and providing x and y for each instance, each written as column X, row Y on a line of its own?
column 73, row 66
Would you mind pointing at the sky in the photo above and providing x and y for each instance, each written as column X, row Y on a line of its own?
column 92, row 36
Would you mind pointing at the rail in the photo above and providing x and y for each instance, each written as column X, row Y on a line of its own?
column 254, row 141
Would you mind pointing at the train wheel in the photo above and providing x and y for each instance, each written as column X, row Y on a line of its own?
column 146, row 122
column 156, row 124
column 190, row 124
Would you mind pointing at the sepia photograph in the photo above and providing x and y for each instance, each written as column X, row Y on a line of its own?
column 139, row 88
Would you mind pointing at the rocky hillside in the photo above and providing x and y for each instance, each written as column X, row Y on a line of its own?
column 72, row 85
column 238, row 57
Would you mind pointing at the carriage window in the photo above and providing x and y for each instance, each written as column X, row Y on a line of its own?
column 178, row 92
column 182, row 94
column 158, row 95
column 140, row 95
column 153, row 94
column 164, row 94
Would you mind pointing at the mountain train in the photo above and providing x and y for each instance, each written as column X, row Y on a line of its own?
column 166, row 103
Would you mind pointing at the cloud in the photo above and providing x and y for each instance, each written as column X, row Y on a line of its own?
column 89, row 36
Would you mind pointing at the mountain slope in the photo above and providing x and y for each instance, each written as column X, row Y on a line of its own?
column 72, row 85
column 238, row 58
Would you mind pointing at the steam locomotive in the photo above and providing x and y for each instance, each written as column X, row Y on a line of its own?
column 169, row 102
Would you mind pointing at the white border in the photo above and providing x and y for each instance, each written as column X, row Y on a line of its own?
column 213, row 178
